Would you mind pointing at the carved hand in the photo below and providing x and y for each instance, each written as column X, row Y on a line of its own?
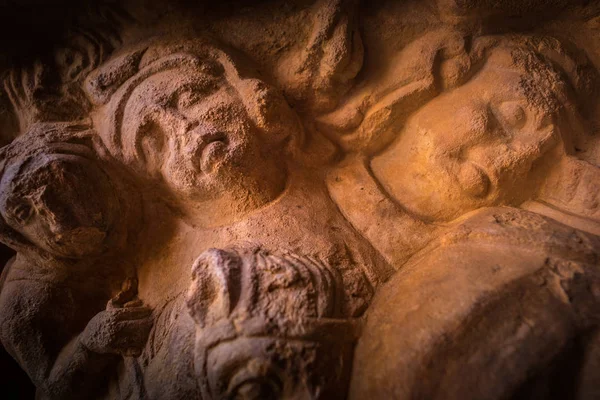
column 119, row 330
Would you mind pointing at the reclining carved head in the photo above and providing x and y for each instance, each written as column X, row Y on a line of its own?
column 269, row 326
column 464, row 123
column 54, row 195
column 193, row 119
column 512, row 110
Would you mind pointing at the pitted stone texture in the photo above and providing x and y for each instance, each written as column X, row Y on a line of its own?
column 310, row 199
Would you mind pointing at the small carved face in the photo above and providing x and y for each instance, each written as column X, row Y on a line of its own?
column 258, row 368
column 267, row 368
column 472, row 147
column 265, row 327
column 63, row 204
column 192, row 129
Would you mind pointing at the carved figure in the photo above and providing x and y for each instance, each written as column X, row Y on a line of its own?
column 484, row 147
column 495, row 137
column 506, row 127
column 390, row 199
column 269, row 326
column 67, row 218
column 50, row 89
column 203, row 135
column 187, row 117
column 321, row 70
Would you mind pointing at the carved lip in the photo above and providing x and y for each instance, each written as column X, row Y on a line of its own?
column 211, row 148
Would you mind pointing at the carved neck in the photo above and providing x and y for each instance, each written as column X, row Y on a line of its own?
column 229, row 206
column 396, row 234
column 226, row 210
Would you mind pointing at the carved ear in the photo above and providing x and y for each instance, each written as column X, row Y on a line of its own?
column 269, row 110
column 104, row 81
column 215, row 287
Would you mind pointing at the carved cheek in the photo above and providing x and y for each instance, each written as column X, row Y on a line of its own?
column 447, row 147
column 432, row 156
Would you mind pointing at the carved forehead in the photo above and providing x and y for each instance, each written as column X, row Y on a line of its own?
column 173, row 89
column 161, row 72
column 539, row 83
column 43, row 142
column 509, row 70
column 262, row 284
column 553, row 74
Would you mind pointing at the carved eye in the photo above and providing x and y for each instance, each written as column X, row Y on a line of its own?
column 256, row 389
column 150, row 141
column 23, row 212
column 512, row 114
column 188, row 98
column 255, row 381
column 195, row 92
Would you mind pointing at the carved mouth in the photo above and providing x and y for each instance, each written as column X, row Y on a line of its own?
column 213, row 148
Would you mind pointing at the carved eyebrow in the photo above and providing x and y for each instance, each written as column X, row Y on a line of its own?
column 230, row 367
column 203, row 83
column 198, row 88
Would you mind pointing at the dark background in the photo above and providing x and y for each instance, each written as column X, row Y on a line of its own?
column 27, row 28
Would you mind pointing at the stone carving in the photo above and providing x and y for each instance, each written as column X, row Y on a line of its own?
column 509, row 144
column 190, row 120
column 51, row 88
column 320, row 72
column 387, row 200
column 68, row 217
column 270, row 328
column 505, row 279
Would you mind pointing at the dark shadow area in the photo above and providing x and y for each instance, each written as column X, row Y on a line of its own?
column 560, row 380
column 32, row 27
column 14, row 382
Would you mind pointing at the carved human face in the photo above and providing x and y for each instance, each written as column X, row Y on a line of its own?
column 247, row 368
column 265, row 329
column 253, row 368
column 193, row 132
column 472, row 147
column 62, row 204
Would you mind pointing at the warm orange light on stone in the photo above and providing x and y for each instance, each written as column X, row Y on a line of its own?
column 309, row 199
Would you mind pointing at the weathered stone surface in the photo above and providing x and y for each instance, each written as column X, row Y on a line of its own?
column 305, row 199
